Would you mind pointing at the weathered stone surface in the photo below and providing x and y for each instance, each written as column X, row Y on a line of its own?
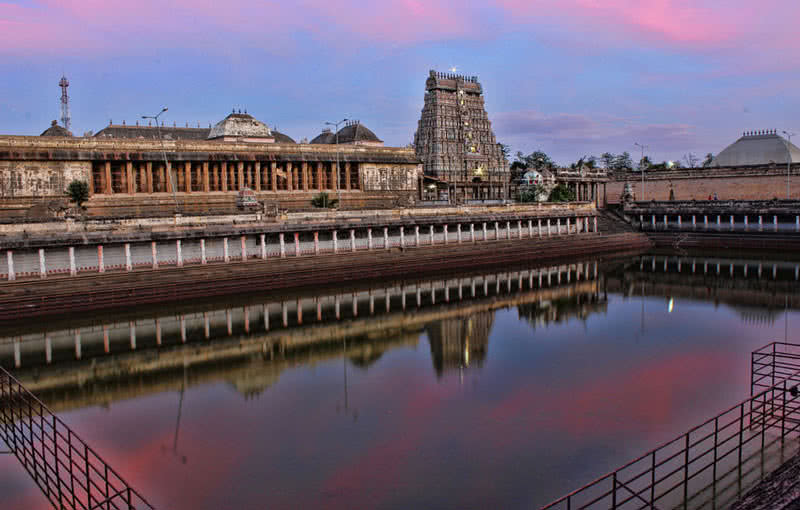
column 40, row 178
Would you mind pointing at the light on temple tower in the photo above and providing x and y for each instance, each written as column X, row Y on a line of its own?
column 65, row 119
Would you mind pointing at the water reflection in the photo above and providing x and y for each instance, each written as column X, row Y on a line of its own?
column 391, row 396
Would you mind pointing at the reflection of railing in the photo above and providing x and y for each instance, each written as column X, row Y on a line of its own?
column 701, row 466
column 67, row 470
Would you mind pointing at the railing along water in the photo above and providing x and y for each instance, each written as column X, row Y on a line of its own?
column 710, row 464
column 70, row 474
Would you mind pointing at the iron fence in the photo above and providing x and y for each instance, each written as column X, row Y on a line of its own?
column 70, row 474
column 710, row 465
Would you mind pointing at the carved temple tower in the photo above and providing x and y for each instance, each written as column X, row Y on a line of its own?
column 455, row 141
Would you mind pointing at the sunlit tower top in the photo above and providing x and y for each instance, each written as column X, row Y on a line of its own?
column 65, row 119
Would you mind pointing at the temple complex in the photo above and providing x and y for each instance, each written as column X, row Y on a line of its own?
column 455, row 140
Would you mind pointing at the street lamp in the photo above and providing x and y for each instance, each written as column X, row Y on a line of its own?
column 788, row 160
column 173, row 177
column 338, row 184
column 641, row 164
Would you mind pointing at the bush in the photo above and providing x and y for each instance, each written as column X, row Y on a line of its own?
column 324, row 201
column 78, row 192
column 562, row 193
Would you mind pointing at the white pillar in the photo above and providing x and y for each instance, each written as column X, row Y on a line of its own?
column 203, row 257
column 549, row 232
column 760, row 222
column 431, row 235
column 402, row 237
column 296, row 244
column 77, row 344
column 530, row 228
column 445, row 233
column 225, row 252
column 496, row 231
column 17, row 354
column 386, row 238
column 352, row 240
column 263, row 243
column 705, row 221
column 508, row 230
column 472, row 232
column 283, row 245
column 133, row 335
column 73, row 268
column 718, row 221
column 369, row 238
column 416, row 235
column 694, row 221
column 539, row 227
column 244, row 248
column 154, row 250
column 101, row 265
column 128, row 262
column 595, row 223
column 568, row 230
column 484, row 230
column 48, row 349
column 775, row 222
column 179, row 253
column 731, row 221
column 458, row 229
column 653, row 221
column 42, row 264
column 558, row 226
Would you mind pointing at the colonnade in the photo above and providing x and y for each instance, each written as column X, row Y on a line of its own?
column 718, row 222
column 720, row 267
column 189, row 176
column 127, row 256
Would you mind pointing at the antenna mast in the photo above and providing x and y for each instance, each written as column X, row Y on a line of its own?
column 65, row 118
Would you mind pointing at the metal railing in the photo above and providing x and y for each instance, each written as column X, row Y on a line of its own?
column 70, row 474
column 711, row 463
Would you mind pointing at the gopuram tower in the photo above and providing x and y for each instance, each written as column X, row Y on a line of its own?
column 455, row 141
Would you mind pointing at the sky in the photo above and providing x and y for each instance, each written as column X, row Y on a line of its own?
column 570, row 77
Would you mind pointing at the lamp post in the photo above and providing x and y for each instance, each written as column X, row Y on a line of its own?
column 173, row 177
column 788, row 160
column 641, row 164
column 338, row 184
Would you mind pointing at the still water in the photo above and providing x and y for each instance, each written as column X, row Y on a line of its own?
column 504, row 388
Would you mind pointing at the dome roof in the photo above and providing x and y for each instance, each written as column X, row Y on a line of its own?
column 240, row 125
column 281, row 138
column 56, row 130
column 354, row 132
column 758, row 148
column 326, row 136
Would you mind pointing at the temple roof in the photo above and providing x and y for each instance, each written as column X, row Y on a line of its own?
column 151, row 132
column 56, row 130
column 757, row 148
column 352, row 133
column 240, row 125
column 281, row 138
column 326, row 137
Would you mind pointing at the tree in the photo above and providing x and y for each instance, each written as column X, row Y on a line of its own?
column 691, row 160
column 623, row 161
column 561, row 193
column 324, row 201
column 608, row 160
column 78, row 192
column 645, row 163
column 531, row 193
column 708, row 160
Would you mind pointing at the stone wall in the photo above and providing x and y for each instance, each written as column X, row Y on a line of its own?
column 390, row 177
column 754, row 183
column 40, row 178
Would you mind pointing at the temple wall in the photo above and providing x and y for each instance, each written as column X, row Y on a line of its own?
column 698, row 185
column 40, row 178
column 391, row 177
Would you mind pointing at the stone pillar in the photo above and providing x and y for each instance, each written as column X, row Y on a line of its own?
column 369, row 238
column 244, row 248
column 402, row 237
column 109, row 187
column 178, row 252
column 775, row 222
column 558, row 226
column 731, row 221
column 42, row 264
column 290, row 185
column 101, row 266
column 539, row 227
column 73, row 269
column 416, row 235
column 496, row 231
column 224, row 170
column 320, row 187
column 680, row 221
column 347, row 176
column 206, row 183
column 718, row 221
column 386, row 237
column 258, row 175
column 694, row 221
column 760, row 222
column 296, row 244
column 484, row 230
column 353, row 240
column 431, row 230
column 304, row 172
column 549, row 231
column 530, row 229
column 128, row 262
column 154, row 251
column 472, row 232
column 273, row 175
column 203, row 259
column 130, row 179
column 595, row 224
column 335, row 242
column 445, row 233
column 225, row 253
column 263, row 242
column 187, row 178
column 240, row 173
column 458, row 230
column 316, row 243
column 148, row 176
column 283, row 245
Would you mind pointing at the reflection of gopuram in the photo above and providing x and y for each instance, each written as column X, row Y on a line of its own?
column 459, row 343
column 579, row 306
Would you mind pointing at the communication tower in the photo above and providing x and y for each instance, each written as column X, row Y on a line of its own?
column 65, row 119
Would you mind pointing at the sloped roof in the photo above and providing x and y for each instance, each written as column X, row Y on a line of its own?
column 56, row 130
column 326, row 137
column 356, row 132
column 151, row 132
column 757, row 148
column 282, row 138
column 240, row 125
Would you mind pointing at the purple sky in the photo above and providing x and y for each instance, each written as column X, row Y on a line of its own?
column 572, row 77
